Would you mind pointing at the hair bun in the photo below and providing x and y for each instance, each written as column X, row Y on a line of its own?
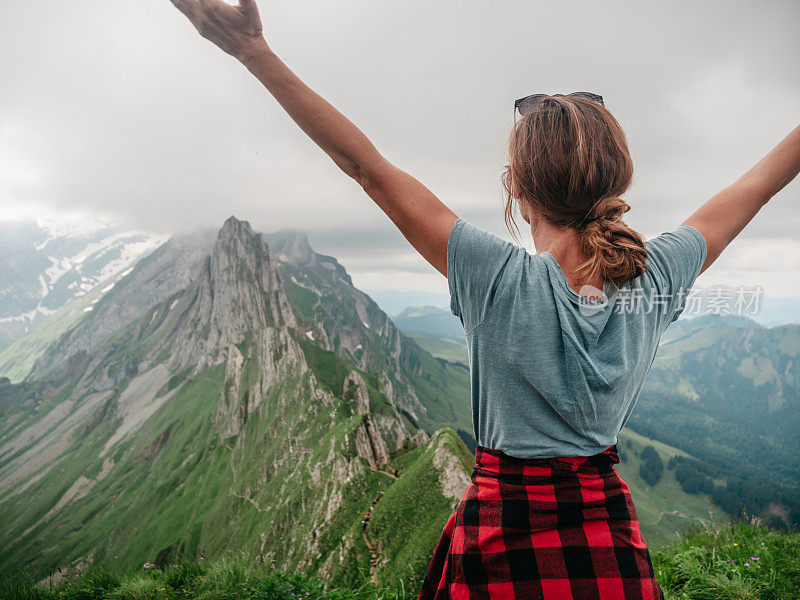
column 618, row 253
column 610, row 208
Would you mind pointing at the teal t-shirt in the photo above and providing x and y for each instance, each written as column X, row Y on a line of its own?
column 552, row 373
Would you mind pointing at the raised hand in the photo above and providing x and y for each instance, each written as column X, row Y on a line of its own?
column 235, row 29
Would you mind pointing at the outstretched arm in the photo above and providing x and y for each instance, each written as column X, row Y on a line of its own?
column 421, row 217
column 724, row 216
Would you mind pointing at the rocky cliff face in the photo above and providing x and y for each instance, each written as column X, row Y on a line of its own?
column 257, row 401
column 340, row 318
column 237, row 294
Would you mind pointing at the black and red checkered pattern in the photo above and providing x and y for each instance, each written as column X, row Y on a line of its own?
column 543, row 529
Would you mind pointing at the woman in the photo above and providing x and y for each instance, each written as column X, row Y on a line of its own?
column 560, row 341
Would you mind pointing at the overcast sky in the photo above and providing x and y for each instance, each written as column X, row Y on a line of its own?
column 120, row 108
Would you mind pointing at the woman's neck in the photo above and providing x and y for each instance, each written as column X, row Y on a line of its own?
column 564, row 244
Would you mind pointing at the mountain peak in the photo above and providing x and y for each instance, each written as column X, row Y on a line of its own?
column 243, row 276
column 240, row 291
column 292, row 245
column 236, row 242
column 232, row 224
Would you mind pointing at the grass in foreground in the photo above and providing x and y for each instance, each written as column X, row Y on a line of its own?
column 742, row 562
column 222, row 579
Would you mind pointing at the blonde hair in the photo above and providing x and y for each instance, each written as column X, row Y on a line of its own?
column 569, row 161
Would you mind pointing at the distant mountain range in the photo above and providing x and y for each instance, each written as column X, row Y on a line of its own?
column 436, row 330
column 429, row 320
column 45, row 265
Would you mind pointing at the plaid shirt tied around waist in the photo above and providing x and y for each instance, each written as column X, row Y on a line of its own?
column 542, row 529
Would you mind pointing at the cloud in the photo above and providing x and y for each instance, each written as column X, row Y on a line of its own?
column 121, row 108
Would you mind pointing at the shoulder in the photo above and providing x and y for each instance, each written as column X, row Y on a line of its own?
column 479, row 265
column 469, row 242
column 683, row 237
column 467, row 229
column 677, row 255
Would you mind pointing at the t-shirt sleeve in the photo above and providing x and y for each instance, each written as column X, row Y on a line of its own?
column 478, row 263
column 676, row 258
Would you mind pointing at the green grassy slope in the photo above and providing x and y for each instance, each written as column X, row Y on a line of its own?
column 123, row 518
column 442, row 387
column 664, row 509
column 173, row 484
column 741, row 562
column 407, row 522
column 442, row 347
column 18, row 358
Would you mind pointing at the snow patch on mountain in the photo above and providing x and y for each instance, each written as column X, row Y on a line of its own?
column 50, row 262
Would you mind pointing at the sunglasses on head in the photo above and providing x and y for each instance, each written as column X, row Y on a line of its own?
column 528, row 103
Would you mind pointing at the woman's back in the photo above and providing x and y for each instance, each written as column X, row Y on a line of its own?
column 552, row 373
